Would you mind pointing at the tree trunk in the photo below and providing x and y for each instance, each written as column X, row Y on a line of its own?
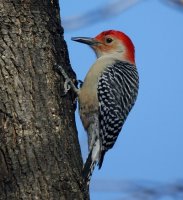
column 40, row 157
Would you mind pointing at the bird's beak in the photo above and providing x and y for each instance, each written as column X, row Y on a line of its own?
column 86, row 40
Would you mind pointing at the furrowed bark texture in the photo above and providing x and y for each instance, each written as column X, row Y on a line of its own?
column 40, row 156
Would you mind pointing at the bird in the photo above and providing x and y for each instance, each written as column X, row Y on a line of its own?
column 107, row 95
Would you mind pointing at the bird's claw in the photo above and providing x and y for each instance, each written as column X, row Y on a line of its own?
column 68, row 82
column 67, row 87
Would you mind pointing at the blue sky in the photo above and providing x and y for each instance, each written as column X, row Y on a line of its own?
column 150, row 146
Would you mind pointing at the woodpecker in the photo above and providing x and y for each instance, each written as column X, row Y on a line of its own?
column 108, row 93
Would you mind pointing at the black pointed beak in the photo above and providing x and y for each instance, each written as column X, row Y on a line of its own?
column 85, row 40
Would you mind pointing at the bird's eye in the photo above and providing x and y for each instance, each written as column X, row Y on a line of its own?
column 109, row 40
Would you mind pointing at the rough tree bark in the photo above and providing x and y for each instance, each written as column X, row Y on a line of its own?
column 40, row 156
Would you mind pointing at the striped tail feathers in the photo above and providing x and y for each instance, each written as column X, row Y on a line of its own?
column 91, row 162
column 88, row 168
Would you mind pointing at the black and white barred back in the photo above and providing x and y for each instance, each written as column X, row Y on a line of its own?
column 117, row 92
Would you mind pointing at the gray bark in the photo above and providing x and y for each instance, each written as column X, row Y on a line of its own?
column 40, row 157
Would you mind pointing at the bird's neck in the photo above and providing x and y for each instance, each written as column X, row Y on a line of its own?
column 121, row 56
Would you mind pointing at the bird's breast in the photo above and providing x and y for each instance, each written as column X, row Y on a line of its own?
column 88, row 99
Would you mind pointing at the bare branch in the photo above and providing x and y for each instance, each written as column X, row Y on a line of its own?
column 102, row 13
column 174, row 3
column 138, row 190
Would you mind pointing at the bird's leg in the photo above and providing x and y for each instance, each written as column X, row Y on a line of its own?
column 68, row 82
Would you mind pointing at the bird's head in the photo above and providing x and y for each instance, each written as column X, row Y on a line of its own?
column 111, row 42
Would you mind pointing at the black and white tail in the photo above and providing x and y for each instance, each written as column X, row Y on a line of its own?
column 92, row 160
column 88, row 168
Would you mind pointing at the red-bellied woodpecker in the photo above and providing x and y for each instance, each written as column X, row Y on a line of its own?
column 108, row 93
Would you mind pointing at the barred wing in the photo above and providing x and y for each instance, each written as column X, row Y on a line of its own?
column 117, row 92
